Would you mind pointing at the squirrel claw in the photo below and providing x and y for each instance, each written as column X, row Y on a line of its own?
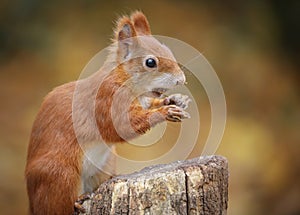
column 178, row 100
column 176, row 114
column 78, row 206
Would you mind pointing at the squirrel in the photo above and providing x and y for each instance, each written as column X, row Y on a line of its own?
column 58, row 170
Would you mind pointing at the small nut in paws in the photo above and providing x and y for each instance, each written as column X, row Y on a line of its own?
column 178, row 100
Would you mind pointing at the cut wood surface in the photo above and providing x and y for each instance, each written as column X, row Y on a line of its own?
column 196, row 186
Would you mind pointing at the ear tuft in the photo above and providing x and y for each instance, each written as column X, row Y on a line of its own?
column 125, row 29
column 125, row 35
column 126, row 32
column 140, row 23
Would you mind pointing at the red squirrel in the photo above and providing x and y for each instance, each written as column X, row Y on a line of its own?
column 57, row 170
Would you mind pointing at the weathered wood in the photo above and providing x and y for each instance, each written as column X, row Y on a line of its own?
column 196, row 186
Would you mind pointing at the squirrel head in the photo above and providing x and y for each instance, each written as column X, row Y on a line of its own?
column 151, row 66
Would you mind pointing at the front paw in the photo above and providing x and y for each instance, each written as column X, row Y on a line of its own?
column 178, row 100
column 175, row 113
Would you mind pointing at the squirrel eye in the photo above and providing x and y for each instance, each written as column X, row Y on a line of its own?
column 150, row 62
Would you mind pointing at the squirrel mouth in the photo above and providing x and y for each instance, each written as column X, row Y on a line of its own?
column 157, row 92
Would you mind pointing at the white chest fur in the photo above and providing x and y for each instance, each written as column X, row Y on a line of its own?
column 99, row 164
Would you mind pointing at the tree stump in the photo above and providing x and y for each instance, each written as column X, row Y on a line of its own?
column 196, row 186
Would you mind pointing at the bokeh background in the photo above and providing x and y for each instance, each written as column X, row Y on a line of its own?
column 252, row 45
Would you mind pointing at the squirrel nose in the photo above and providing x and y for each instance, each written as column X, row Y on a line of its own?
column 181, row 80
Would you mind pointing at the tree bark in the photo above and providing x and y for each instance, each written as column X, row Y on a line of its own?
column 196, row 186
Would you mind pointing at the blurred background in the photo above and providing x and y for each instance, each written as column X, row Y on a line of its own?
column 253, row 46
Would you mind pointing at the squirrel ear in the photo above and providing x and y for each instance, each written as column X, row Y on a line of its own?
column 140, row 23
column 125, row 36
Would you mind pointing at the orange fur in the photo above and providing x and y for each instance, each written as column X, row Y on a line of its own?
column 55, row 159
column 140, row 23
